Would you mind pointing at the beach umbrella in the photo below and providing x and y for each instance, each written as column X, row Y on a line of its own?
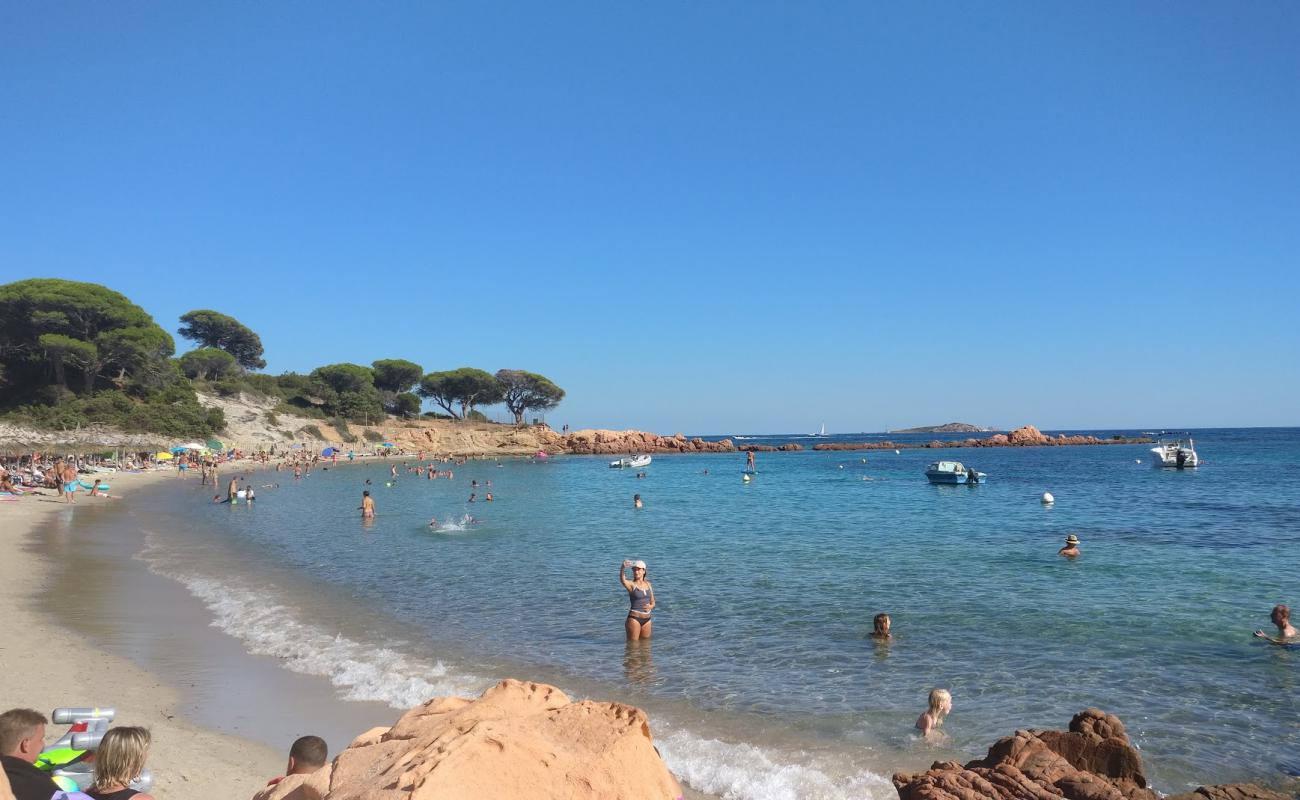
column 164, row 456
column 387, row 444
column 215, row 444
column 296, row 447
column 192, row 446
column 329, row 451
column 176, row 450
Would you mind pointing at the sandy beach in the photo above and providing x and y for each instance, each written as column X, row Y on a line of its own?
column 46, row 665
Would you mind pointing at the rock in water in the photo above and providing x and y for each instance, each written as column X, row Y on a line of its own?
column 1094, row 760
column 516, row 740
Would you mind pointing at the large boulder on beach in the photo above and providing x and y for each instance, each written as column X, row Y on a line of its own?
column 1093, row 760
column 517, row 739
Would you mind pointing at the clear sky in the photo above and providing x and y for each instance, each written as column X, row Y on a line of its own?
column 707, row 217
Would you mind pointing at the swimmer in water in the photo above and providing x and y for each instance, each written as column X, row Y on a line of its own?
column 1071, row 548
column 636, row 501
column 472, row 495
column 488, row 498
column 881, row 632
column 940, row 706
column 1286, row 632
column 367, row 505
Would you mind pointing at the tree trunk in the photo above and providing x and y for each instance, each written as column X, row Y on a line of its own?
column 90, row 379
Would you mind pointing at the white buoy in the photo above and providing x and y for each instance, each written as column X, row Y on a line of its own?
column 841, row 466
column 1137, row 461
column 896, row 452
column 1048, row 499
column 745, row 477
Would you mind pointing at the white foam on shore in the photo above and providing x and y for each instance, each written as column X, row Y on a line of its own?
column 738, row 771
column 365, row 672
column 267, row 625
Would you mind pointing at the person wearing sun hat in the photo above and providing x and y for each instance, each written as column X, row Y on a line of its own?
column 1071, row 548
column 642, row 595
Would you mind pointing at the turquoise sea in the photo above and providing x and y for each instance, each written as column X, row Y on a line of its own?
column 761, row 679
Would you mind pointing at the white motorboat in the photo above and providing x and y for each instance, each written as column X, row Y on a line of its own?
column 631, row 462
column 1175, row 453
column 953, row 472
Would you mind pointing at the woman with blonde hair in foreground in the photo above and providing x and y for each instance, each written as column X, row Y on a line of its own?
column 118, row 761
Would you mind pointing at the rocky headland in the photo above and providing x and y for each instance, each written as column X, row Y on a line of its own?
column 1027, row 436
column 1093, row 760
column 950, row 427
column 517, row 739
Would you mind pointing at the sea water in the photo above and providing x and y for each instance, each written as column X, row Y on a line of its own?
column 762, row 680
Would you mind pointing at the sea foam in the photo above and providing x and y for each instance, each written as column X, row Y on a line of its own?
column 270, row 625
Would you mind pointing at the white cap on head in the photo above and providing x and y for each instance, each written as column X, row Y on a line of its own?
column 638, row 565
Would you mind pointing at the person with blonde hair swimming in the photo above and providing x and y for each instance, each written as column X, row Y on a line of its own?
column 118, row 761
column 940, row 706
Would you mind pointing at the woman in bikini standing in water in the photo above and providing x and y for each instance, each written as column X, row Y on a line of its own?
column 642, row 595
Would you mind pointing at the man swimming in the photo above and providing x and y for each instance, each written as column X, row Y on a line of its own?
column 1287, row 634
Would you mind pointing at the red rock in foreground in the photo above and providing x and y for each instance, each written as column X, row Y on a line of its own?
column 518, row 739
column 1094, row 760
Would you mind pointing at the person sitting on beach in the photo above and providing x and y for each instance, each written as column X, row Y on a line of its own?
column 1286, row 632
column 7, row 485
column 881, row 632
column 367, row 505
column 1071, row 548
column 22, row 738
column 642, row 594
column 940, row 706
column 118, row 761
column 306, row 755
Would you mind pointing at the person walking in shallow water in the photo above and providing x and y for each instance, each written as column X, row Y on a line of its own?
column 642, row 594
column 367, row 505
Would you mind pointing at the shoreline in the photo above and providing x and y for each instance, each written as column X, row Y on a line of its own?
column 223, row 737
column 47, row 664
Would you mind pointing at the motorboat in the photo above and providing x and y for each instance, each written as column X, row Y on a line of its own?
column 631, row 462
column 1174, row 452
column 953, row 472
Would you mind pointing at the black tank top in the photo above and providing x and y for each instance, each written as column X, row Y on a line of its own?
column 120, row 794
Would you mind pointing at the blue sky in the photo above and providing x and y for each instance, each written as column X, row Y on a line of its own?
column 707, row 217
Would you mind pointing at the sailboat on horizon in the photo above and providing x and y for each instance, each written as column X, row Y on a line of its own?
column 822, row 433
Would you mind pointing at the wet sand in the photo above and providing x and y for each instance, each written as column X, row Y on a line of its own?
column 104, row 630
column 47, row 664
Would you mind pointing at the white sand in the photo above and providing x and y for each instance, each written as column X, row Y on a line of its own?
column 45, row 666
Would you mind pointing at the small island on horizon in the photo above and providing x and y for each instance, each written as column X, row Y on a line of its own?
column 951, row 427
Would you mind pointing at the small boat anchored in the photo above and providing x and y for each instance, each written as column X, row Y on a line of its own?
column 953, row 472
column 631, row 462
column 1174, row 452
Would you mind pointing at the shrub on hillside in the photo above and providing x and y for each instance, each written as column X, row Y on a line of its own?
column 372, row 436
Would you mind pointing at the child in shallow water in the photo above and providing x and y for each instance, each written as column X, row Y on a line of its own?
column 940, row 706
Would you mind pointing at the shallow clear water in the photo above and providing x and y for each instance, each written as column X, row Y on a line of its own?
column 766, row 592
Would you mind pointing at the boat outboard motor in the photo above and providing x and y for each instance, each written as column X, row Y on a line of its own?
column 1180, row 458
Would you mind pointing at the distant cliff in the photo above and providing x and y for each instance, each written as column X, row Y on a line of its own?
column 951, row 427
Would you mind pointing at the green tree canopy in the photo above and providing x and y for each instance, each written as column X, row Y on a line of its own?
column 348, row 391
column 396, row 375
column 527, row 391
column 213, row 329
column 208, row 362
column 406, row 405
column 467, row 386
column 48, row 326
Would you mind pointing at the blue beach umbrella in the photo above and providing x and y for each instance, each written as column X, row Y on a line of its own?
column 329, row 451
column 387, row 444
